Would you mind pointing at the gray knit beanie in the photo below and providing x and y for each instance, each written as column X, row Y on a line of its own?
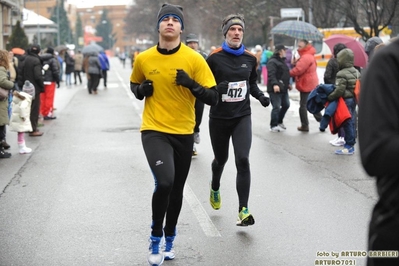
column 230, row 20
column 191, row 38
column 171, row 10
column 29, row 89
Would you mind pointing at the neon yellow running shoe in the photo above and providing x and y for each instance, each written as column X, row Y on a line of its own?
column 215, row 199
column 245, row 218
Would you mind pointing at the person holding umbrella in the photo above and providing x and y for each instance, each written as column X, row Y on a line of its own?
column 306, row 79
column 94, row 72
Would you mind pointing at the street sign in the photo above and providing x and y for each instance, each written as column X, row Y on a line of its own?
column 291, row 12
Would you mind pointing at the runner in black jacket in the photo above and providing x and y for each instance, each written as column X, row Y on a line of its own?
column 234, row 69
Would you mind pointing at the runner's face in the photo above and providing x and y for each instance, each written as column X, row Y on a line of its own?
column 193, row 45
column 170, row 28
column 234, row 36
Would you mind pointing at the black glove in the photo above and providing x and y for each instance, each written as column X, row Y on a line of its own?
column 146, row 89
column 183, row 79
column 264, row 100
column 222, row 87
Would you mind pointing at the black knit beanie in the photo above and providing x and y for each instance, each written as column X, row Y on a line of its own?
column 35, row 49
column 171, row 10
column 50, row 50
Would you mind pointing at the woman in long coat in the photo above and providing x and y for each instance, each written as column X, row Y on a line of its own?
column 5, row 83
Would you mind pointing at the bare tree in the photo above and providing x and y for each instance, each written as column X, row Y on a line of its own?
column 204, row 17
column 325, row 14
column 141, row 19
column 376, row 14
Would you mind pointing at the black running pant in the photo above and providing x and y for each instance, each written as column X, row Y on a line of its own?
column 240, row 130
column 169, row 157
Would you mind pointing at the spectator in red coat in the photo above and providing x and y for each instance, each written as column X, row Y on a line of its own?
column 306, row 79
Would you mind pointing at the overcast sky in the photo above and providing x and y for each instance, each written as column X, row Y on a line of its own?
column 89, row 3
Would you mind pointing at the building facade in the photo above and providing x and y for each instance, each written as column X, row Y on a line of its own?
column 11, row 12
column 90, row 18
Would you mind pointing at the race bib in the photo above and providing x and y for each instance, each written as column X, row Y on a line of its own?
column 236, row 92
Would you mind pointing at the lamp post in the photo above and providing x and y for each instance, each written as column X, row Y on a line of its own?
column 38, row 23
column 58, row 24
column 271, row 27
column 110, row 42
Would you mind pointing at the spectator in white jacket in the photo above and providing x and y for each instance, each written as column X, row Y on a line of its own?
column 20, row 118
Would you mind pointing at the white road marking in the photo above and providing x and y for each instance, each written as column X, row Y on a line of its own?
column 204, row 220
column 129, row 93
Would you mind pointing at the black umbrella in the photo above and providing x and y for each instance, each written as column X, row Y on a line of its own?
column 92, row 48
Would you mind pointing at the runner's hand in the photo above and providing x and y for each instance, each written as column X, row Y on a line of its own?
column 222, row 87
column 183, row 79
column 264, row 100
column 146, row 89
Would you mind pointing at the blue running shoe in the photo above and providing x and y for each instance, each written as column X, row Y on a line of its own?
column 347, row 150
column 169, row 252
column 155, row 257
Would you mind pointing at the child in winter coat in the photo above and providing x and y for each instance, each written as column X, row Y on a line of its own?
column 20, row 118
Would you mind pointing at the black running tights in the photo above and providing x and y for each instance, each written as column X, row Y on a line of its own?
column 169, row 157
column 240, row 130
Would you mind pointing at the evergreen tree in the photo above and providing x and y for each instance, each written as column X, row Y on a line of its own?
column 104, row 29
column 78, row 31
column 63, row 23
column 18, row 38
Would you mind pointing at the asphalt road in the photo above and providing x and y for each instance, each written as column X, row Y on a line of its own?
column 83, row 196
